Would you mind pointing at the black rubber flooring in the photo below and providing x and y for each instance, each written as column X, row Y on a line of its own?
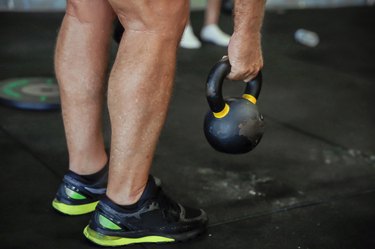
column 309, row 184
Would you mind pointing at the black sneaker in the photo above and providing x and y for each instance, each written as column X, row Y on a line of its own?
column 78, row 195
column 155, row 218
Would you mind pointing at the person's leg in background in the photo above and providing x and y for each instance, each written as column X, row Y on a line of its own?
column 210, row 31
column 81, row 61
column 189, row 40
column 135, row 209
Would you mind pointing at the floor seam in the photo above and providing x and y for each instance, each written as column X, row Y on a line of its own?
column 299, row 205
column 367, row 158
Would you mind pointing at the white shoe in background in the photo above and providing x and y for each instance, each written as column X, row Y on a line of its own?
column 189, row 40
column 212, row 33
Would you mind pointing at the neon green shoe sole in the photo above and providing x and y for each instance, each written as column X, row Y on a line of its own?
column 74, row 209
column 105, row 240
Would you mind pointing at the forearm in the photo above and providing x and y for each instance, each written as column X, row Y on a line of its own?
column 248, row 16
column 244, row 50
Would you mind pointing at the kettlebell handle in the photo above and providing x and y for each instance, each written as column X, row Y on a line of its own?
column 215, row 84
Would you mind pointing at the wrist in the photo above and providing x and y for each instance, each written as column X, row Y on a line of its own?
column 248, row 33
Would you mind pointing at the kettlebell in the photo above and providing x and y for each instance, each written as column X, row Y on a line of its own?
column 232, row 125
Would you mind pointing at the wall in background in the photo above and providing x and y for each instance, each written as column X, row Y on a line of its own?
column 28, row 5
column 57, row 5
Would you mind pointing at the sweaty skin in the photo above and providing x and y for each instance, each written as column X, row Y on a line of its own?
column 81, row 60
column 140, row 87
column 140, row 83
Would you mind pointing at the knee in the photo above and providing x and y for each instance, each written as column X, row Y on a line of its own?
column 172, row 18
column 166, row 18
column 89, row 10
column 75, row 8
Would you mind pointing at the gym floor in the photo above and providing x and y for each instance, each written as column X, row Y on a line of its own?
column 309, row 184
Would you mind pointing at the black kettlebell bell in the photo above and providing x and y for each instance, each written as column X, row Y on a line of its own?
column 232, row 125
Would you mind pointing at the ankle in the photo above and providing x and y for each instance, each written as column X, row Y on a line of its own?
column 210, row 25
column 127, row 199
column 212, row 33
column 87, row 165
column 189, row 40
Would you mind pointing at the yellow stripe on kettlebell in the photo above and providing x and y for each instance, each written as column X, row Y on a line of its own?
column 250, row 98
column 223, row 113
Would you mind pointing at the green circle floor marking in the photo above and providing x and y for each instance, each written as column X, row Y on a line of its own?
column 37, row 93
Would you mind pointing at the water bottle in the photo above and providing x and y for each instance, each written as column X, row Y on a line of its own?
column 306, row 37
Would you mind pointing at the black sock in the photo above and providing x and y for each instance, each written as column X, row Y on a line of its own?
column 148, row 192
column 130, row 207
column 96, row 176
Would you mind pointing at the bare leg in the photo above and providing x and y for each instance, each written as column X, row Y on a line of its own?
column 212, row 13
column 211, row 31
column 140, row 88
column 189, row 40
column 81, row 62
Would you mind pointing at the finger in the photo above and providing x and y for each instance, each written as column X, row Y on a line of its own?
column 249, row 78
column 233, row 76
column 252, row 74
column 238, row 76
